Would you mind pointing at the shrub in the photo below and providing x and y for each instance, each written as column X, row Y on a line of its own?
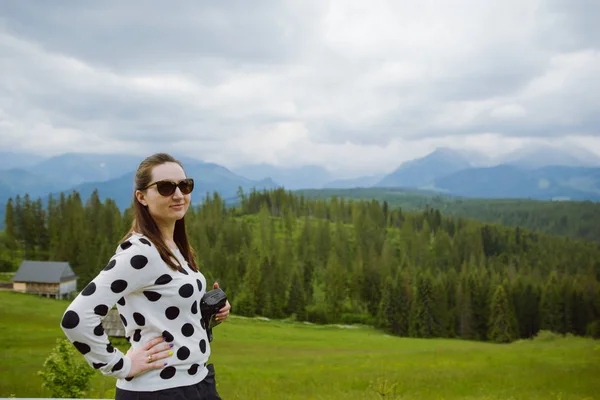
column 316, row 315
column 353, row 318
column 547, row 336
column 593, row 330
column 65, row 373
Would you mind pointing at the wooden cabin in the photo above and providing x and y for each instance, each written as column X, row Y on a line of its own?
column 112, row 324
column 45, row 278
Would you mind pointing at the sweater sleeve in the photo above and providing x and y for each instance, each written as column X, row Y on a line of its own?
column 131, row 268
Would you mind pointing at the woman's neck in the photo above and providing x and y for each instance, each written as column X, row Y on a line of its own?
column 166, row 232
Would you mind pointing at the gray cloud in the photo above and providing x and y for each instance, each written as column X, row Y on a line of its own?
column 566, row 25
column 294, row 82
column 155, row 35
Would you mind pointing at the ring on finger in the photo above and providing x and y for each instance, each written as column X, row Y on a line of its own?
column 150, row 359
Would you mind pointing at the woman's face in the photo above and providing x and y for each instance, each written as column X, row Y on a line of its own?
column 165, row 209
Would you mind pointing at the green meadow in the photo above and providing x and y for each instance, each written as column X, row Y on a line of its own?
column 261, row 359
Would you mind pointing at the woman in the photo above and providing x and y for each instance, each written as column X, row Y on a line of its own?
column 155, row 282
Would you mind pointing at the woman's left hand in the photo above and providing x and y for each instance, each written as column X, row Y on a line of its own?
column 223, row 312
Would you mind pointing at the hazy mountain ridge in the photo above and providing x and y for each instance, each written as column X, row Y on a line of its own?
column 207, row 179
column 20, row 181
column 112, row 176
column 423, row 171
column 293, row 178
column 507, row 181
column 10, row 160
column 545, row 156
column 446, row 171
column 348, row 183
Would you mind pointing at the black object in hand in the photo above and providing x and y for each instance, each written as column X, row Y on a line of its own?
column 210, row 305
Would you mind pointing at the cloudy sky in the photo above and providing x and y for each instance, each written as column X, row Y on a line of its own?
column 347, row 84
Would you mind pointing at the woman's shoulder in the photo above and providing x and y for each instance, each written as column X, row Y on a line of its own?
column 139, row 244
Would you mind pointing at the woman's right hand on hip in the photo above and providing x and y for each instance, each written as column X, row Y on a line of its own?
column 150, row 356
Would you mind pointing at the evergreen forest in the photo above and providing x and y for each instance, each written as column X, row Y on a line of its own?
column 279, row 255
column 577, row 219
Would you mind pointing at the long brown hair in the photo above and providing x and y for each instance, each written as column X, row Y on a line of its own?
column 144, row 223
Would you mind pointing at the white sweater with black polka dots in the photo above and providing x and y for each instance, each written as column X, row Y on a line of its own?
column 153, row 300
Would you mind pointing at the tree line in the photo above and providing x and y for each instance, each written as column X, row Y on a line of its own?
column 280, row 255
column 576, row 219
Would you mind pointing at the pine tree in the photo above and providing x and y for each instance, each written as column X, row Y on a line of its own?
column 9, row 222
column 403, row 301
column 372, row 282
column 335, row 288
column 426, row 317
column 552, row 307
column 296, row 304
column 246, row 302
column 466, row 325
column 387, row 314
column 503, row 326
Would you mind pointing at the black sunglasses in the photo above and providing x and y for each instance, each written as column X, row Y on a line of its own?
column 167, row 188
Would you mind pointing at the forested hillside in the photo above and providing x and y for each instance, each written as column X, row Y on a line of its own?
column 577, row 219
column 278, row 254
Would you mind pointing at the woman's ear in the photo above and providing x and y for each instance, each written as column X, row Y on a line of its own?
column 139, row 195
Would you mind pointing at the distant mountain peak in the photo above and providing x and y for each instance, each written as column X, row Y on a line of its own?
column 423, row 171
column 293, row 178
column 537, row 156
column 440, row 154
column 446, row 151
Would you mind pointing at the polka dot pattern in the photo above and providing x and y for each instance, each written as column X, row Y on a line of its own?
column 183, row 353
column 89, row 290
column 168, row 372
column 173, row 302
column 187, row 330
column 139, row 319
column 118, row 286
column 163, row 279
column 186, row 291
column 168, row 337
column 152, row 296
column 139, row 261
column 101, row 310
column 118, row 366
column 110, row 265
column 172, row 312
column 99, row 330
column 70, row 320
column 82, row 347
column 193, row 369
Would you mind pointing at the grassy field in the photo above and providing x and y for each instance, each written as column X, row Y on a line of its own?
column 257, row 359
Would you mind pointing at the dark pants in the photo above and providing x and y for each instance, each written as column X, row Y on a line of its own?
column 204, row 390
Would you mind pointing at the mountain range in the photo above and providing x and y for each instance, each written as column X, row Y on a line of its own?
column 112, row 175
column 542, row 173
